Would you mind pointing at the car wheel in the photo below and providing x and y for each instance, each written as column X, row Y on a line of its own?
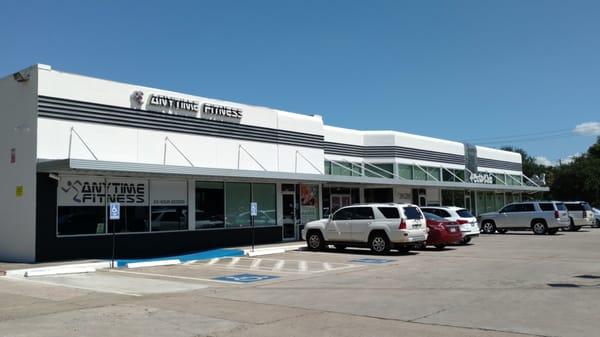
column 440, row 247
column 340, row 247
column 502, row 230
column 465, row 240
column 488, row 227
column 539, row 228
column 314, row 241
column 576, row 228
column 552, row 231
column 379, row 243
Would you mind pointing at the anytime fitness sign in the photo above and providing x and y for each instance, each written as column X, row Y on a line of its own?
column 97, row 191
column 481, row 178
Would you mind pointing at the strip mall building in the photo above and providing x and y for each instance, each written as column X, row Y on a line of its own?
column 186, row 168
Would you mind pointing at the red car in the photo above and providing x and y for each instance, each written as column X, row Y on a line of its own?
column 441, row 231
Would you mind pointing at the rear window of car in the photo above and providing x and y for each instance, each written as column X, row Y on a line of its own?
column 431, row 216
column 389, row 212
column 560, row 206
column 574, row 207
column 546, row 206
column 412, row 213
column 464, row 213
column 586, row 206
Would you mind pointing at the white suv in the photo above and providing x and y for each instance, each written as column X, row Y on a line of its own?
column 380, row 227
column 580, row 214
column 462, row 216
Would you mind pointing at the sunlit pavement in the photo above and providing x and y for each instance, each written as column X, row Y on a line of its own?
column 501, row 285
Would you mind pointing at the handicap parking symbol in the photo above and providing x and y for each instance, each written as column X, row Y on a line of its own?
column 373, row 261
column 245, row 278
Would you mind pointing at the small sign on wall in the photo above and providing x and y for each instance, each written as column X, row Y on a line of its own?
column 19, row 191
column 13, row 155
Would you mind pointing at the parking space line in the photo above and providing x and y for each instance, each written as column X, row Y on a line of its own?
column 278, row 265
column 303, row 266
column 255, row 264
column 234, row 261
column 98, row 290
column 170, row 276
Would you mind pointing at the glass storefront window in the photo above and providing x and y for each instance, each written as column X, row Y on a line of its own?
column 76, row 220
column 434, row 173
column 169, row 218
column 264, row 195
column 210, row 205
column 357, row 170
column 327, row 167
column 419, row 173
column 133, row 219
column 380, row 170
column 405, row 171
column 237, row 204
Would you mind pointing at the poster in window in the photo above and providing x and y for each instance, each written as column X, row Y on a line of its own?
column 309, row 203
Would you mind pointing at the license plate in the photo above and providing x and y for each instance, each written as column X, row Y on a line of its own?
column 452, row 229
column 416, row 226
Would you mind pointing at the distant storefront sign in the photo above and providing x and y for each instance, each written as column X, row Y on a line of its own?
column 481, row 178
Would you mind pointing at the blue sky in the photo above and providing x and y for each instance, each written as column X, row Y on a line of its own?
column 479, row 71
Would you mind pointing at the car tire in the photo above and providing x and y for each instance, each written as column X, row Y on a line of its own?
column 379, row 243
column 440, row 247
column 571, row 227
column 488, row 227
column 465, row 240
column 340, row 247
column 552, row 231
column 502, row 230
column 539, row 227
column 314, row 241
column 576, row 228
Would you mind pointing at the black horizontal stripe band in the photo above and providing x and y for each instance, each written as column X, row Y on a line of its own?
column 103, row 114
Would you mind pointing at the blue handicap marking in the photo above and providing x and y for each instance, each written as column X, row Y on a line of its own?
column 373, row 261
column 245, row 278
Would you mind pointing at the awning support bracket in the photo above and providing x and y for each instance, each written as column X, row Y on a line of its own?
column 167, row 140
column 307, row 160
column 240, row 148
column 71, row 132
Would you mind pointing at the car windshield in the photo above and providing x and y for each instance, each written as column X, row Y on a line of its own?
column 464, row 213
column 430, row 216
column 412, row 213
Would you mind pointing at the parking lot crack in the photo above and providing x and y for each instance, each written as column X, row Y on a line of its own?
column 428, row 315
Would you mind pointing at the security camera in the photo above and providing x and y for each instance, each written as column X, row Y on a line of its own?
column 21, row 76
column 54, row 176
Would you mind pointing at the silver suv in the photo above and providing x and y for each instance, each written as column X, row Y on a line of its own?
column 380, row 227
column 580, row 214
column 540, row 216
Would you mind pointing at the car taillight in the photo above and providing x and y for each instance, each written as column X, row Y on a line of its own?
column 462, row 222
column 557, row 214
column 402, row 224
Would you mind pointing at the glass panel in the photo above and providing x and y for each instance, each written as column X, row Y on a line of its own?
column 361, row 213
column 419, row 173
column 382, row 170
column 447, row 176
column 74, row 220
column 210, row 207
column 342, row 214
column 405, row 171
column 327, row 167
column 434, row 172
column 412, row 213
column 264, row 195
column 547, row 206
column 133, row 219
column 459, row 199
column 358, row 170
column 289, row 216
column 389, row 212
column 463, row 213
column 341, row 169
column 169, row 218
column 237, row 201
column 447, row 198
column 499, row 201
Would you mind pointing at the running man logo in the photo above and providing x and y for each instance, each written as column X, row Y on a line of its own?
column 74, row 186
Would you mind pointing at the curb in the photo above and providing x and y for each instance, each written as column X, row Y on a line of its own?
column 272, row 250
column 178, row 259
column 58, row 270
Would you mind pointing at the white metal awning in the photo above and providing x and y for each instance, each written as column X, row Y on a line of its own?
column 141, row 169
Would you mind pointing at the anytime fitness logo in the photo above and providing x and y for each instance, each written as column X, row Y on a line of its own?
column 100, row 192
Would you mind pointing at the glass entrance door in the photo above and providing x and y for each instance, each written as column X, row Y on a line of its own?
column 289, row 216
column 339, row 200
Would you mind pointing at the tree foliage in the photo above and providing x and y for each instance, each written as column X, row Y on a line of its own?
column 577, row 180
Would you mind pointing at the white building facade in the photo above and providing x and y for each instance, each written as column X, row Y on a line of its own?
column 185, row 169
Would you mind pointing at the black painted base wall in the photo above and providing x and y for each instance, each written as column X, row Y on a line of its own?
column 51, row 248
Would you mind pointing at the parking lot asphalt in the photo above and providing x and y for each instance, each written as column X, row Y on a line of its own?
column 501, row 285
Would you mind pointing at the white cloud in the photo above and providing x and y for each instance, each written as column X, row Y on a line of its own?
column 541, row 160
column 588, row 129
column 569, row 159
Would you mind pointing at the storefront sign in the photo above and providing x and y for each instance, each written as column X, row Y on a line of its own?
column 174, row 103
column 309, row 203
column 218, row 110
column 97, row 191
column 19, row 191
column 481, row 178
column 168, row 193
